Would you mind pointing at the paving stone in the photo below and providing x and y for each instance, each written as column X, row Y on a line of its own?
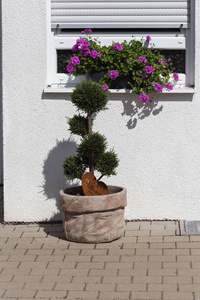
column 11, row 285
column 88, row 279
column 176, row 252
column 177, row 265
column 114, row 265
column 20, row 293
column 147, row 279
column 196, row 279
column 19, row 271
column 105, row 258
column 189, row 287
column 94, row 252
column 25, row 278
column 133, row 258
column 56, row 279
column 18, row 258
column 162, row 287
column 51, row 294
column 162, row 245
column 177, row 279
column 150, row 239
column 162, row 258
column 147, row 265
column 75, row 272
column 102, row 272
column 191, row 258
column 189, row 245
column 82, row 295
column 132, row 272
column 146, row 296
column 62, row 286
column 39, row 286
column 114, row 295
column 118, row 279
column 100, row 287
column 61, row 265
column 134, row 287
column 50, row 258
column 132, row 226
column 135, row 246
column 79, row 258
column 177, row 296
column 176, row 238
column 162, row 272
column 6, row 278
column 45, row 271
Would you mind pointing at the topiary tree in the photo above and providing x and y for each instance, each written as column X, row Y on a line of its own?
column 89, row 98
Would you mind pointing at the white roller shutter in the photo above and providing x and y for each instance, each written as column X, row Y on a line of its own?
column 120, row 14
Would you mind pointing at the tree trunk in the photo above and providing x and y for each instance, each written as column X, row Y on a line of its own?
column 91, row 158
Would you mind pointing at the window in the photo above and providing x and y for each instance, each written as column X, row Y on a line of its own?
column 167, row 22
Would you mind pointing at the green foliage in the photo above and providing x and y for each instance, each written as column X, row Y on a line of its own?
column 94, row 144
column 125, row 62
column 89, row 97
column 107, row 163
column 78, row 125
column 73, row 167
column 92, row 152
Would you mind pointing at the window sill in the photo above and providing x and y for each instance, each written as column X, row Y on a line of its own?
column 69, row 90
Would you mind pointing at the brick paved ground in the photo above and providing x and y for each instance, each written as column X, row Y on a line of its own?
column 151, row 261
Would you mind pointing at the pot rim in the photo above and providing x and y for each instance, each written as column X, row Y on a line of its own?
column 82, row 204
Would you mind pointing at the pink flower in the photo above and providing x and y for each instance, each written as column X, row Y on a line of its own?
column 94, row 54
column 85, row 44
column 117, row 47
column 70, row 68
column 75, row 61
column 79, row 41
column 158, row 87
column 144, row 98
column 161, row 60
column 105, row 87
column 148, row 38
column 142, row 59
column 113, row 74
column 169, row 59
column 75, row 48
column 87, row 31
column 169, row 86
column 85, row 51
column 176, row 77
column 149, row 69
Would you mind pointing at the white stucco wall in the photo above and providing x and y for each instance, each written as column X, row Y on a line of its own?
column 158, row 145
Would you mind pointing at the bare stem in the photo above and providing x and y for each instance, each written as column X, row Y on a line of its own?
column 91, row 158
column 100, row 177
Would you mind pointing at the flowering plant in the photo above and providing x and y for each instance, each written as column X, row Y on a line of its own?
column 145, row 69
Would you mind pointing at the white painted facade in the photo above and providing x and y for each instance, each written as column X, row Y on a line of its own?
column 158, row 145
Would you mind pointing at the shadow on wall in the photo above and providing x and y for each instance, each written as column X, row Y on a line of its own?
column 137, row 110
column 54, row 179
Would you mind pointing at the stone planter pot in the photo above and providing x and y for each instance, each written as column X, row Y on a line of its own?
column 93, row 219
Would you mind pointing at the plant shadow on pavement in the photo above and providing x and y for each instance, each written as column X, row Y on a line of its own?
column 54, row 181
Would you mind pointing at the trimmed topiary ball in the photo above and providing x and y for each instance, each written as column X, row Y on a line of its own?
column 89, row 97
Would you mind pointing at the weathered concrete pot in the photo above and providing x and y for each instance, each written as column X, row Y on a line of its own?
column 93, row 219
